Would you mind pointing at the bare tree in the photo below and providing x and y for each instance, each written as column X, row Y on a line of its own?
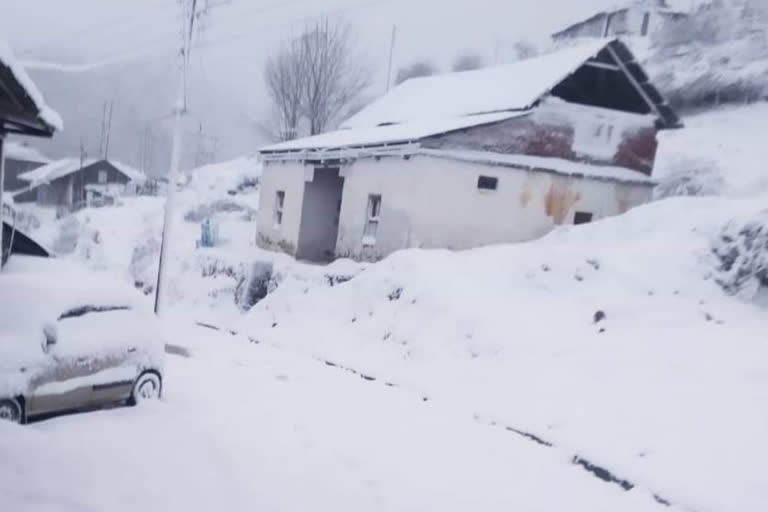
column 314, row 80
column 333, row 76
column 284, row 74
column 524, row 50
column 467, row 61
column 415, row 70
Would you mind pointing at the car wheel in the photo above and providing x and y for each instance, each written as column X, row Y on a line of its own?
column 10, row 410
column 149, row 386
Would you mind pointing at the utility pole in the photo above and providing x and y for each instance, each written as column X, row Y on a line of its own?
column 103, row 128
column 108, row 129
column 191, row 10
column 79, row 175
column 2, row 203
column 391, row 54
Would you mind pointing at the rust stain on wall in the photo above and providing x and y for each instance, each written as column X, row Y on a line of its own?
column 623, row 199
column 525, row 197
column 560, row 199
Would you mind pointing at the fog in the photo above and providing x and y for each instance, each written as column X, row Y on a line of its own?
column 126, row 53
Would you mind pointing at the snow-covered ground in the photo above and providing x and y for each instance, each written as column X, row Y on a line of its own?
column 613, row 342
column 727, row 144
column 247, row 427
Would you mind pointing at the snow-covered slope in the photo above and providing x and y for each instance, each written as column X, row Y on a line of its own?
column 727, row 146
column 610, row 340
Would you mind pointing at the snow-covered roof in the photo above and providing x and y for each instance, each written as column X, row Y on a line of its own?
column 65, row 166
column 23, row 152
column 54, row 170
column 390, row 134
column 132, row 173
column 544, row 164
column 515, row 86
column 45, row 113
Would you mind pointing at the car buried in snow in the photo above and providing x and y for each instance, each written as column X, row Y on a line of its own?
column 71, row 342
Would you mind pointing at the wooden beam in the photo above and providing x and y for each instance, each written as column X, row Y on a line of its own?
column 635, row 83
column 602, row 65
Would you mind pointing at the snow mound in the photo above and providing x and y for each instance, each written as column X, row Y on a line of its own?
column 722, row 150
column 613, row 340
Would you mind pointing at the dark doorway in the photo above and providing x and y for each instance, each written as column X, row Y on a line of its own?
column 320, row 210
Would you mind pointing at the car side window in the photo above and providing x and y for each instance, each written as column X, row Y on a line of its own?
column 84, row 310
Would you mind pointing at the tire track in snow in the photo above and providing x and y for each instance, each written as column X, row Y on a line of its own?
column 596, row 470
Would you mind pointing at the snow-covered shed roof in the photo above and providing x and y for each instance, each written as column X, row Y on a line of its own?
column 66, row 166
column 17, row 151
column 132, row 173
column 516, row 86
column 544, row 164
column 423, row 107
column 22, row 106
column 407, row 132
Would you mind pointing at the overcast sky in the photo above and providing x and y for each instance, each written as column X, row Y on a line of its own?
column 240, row 33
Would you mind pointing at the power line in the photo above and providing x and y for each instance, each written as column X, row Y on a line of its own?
column 137, row 53
column 102, row 26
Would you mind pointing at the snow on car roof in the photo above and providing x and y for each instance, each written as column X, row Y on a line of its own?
column 34, row 291
column 514, row 86
column 46, row 113
column 390, row 134
column 544, row 164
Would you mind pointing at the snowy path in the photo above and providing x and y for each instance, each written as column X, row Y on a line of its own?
column 244, row 427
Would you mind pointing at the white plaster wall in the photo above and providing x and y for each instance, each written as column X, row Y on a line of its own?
column 433, row 202
column 288, row 177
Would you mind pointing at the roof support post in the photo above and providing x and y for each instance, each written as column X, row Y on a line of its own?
column 634, row 81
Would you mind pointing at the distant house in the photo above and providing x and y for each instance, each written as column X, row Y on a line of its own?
column 23, row 111
column 466, row 159
column 19, row 159
column 70, row 183
column 640, row 18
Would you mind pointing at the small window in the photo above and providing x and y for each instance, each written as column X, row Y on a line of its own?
column 279, row 203
column 102, row 176
column 372, row 219
column 487, row 183
column 582, row 217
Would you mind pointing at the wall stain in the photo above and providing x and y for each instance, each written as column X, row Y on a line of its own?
column 560, row 199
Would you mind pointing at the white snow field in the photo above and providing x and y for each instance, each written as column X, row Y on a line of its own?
column 246, row 427
column 665, row 393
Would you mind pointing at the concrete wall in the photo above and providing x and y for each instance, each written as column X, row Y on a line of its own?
column 288, row 177
column 432, row 202
column 559, row 129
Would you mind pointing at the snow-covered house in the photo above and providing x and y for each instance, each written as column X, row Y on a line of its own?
column 23, row 111
column 71, row 183
column 639, row 18
column 20, row 158
column 465, row 159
